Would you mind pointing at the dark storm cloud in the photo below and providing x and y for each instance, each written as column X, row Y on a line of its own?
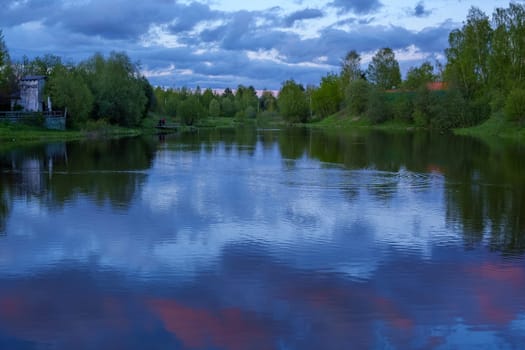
column 356, row 6
column 108, row 19
column 191, row 15
column 421, row 11
column 14, row 12
column 117, row 19
column 302, row 15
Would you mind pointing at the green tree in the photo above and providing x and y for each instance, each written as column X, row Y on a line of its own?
column 356, row 97
column 384, row 70
column 351, row 67
column 6, row 73
column 4, row 54
column 214, row 108
column 468, row 54
column 43, row 65
column 190, row 110
column 118, row 93
column 327, row 99
column 515, row 105
column 378, row 109
column 207, row 97
column 292, row 102
column 268, row 102
column 507, row 51
column 227, row 106
column 420, row 76
column 69, row 90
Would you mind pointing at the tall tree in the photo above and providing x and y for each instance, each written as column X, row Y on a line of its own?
column 117, row 89
column 384, row 70
column 68, row 89
column 420, row 76
column 508, row 47
column 468, row 54
column 351, row 67
column 268, row 102
column 4, row 54
column 328, row 97
column 292, row 102
column 4, row 69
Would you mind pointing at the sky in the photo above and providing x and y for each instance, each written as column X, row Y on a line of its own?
column 225, row 43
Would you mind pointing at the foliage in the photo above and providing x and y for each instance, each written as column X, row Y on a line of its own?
column 384, row 70
column 227, row 107
column 351, row 68
column 268, row 102
column 357, row 96
column 190, row 110
column 68, row 89
column 378, row 110
column 327, row 98
column 4, row 54
column 214, row 109
column 402, row 105
column 419, row 76
column 515, row 105
column 292, row 102
column 118, row 93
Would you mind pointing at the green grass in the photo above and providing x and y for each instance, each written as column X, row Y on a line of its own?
column 496, row 127
column 342, row 120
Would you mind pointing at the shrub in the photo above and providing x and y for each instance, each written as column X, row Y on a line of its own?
column 357, row 96
column 379, row 110
column 515, row 105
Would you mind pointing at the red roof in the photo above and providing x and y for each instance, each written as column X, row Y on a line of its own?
column 437, row 86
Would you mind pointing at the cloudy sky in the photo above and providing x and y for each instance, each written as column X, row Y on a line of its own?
column 224, row 43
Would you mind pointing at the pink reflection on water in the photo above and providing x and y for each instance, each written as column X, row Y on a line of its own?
column 202, row 328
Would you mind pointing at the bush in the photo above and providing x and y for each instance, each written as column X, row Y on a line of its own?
column 403, row 106
column 379, row 110
column 515, row 105
column 357, row 96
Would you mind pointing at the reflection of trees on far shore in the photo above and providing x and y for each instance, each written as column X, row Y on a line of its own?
column 484, row 185
column 484, row 188
column 108, row 170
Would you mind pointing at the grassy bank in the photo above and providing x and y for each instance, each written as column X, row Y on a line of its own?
column 343, row 121
column 494, row 128
column 14, row 135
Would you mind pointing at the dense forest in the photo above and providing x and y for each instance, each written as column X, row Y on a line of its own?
column 484, row 76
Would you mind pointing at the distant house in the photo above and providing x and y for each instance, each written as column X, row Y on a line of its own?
column 32, row 93
column 437, row 86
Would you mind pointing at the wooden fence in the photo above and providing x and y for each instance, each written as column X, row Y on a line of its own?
column 51, row 120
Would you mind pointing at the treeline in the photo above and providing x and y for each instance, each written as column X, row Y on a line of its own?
column 107, row 89
column 191, row 106
column 484, row 76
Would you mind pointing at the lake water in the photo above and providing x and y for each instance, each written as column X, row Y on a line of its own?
column 263, row 239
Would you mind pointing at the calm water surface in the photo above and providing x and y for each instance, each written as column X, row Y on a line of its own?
column 268, row 239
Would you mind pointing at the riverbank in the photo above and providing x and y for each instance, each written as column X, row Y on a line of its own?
column 343, row 121
column 15, row 135
column 494, row 128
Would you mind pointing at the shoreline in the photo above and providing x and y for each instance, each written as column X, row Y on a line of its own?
column 15, row 135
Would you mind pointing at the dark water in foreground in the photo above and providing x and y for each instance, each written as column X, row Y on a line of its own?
column 263, row 240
